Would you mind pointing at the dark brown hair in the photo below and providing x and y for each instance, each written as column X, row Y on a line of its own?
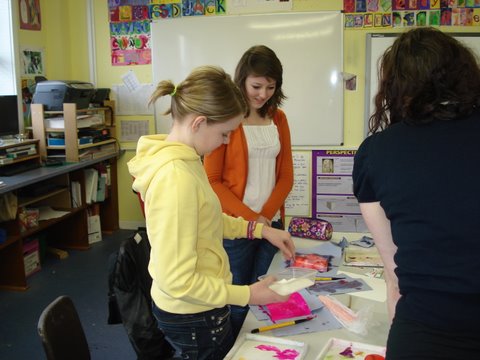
column 260, row 60
column 425, row 75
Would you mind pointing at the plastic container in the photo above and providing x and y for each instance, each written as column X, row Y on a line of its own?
column 291, row 280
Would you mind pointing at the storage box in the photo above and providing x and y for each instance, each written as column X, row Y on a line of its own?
column 94, row 229
column 95, row 237
column 31, row 257
column 51, row 141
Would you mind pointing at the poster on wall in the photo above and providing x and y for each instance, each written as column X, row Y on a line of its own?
column 237, row 7
column 30, row 14
column 130, row 43
column 332, row 197
column 298, row 201
column 32, row 62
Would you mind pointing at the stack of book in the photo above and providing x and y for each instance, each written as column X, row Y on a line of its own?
column 96, row 182
column 97, row 152
column 83, row 121
column 12, row 153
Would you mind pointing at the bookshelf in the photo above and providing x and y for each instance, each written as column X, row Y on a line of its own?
column 74, row 135
column 50, row 187
column 61, row 190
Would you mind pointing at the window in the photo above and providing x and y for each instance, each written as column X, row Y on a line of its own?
column 8, row 83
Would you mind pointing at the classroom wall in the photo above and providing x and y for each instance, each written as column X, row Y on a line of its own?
column 64, row 36
column 354, row 62
column 130, row 213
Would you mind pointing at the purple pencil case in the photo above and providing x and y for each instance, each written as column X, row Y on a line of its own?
column 316, row 229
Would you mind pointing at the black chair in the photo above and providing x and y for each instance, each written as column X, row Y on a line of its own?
column 61, row 331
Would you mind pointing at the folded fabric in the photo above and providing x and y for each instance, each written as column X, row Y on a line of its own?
column 316, row 229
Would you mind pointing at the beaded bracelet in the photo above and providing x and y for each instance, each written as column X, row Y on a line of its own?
column 251, row 229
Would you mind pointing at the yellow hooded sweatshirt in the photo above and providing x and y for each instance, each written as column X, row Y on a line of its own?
column 185, row 226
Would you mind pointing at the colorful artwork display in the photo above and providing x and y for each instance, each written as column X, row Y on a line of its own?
column 32, row 62
column 130, row 43
column 29, row 11
column 130, row 24
column 407, row 13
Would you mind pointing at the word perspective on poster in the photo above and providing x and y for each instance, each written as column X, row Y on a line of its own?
column 332, row 190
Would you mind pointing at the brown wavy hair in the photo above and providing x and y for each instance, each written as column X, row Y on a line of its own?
column 426, row 75
column 260, row 60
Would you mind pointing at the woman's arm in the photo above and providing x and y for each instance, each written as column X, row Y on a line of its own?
column 379, row 227
column 237, row 227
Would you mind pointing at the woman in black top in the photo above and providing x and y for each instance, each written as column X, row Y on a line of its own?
column 422, row 212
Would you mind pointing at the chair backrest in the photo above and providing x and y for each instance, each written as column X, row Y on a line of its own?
column 61, row 331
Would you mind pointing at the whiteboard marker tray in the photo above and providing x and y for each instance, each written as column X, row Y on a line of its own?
column 350, row 349
column 259, row 347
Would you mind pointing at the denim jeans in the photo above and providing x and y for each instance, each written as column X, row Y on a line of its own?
column 248, row 260
column 201, row 336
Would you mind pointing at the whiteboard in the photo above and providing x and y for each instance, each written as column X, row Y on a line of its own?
column 376, row 45
column 309, row 45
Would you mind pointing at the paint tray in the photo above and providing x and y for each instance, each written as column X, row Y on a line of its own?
column 292, row 279
column 259, row 347
column 351, row 350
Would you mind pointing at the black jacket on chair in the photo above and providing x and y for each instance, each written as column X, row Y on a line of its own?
column 130, row 301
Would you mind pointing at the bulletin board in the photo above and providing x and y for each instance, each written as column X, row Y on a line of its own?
column 376, row 45
column 309, row 45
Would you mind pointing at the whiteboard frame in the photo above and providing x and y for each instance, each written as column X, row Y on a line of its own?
column 377, row 43
column 310, row 106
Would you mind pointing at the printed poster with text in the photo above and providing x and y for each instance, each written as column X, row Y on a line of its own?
column 332, row 195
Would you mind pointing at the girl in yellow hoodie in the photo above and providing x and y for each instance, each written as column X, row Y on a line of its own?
column 192, row 283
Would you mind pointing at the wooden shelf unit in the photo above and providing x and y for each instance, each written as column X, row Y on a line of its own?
column 68, row 231
column 72, row 148
column 10, row 147
column 51, row 186
column 12, row 272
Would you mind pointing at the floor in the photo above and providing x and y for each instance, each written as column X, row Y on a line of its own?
column 83, row 277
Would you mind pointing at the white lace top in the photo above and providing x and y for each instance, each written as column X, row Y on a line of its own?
column 263, row 147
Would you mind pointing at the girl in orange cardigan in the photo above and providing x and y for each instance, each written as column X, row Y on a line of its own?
column 253, row 174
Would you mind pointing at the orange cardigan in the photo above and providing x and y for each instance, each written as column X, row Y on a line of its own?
column 227, row 170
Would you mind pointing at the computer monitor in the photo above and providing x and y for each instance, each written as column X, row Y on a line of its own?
column 9, row 121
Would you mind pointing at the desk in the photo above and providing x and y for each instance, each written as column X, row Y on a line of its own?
column 43, row 173
column 377, row 331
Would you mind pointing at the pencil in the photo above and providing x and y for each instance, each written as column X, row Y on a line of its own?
column 280, row 325
column 329, row 278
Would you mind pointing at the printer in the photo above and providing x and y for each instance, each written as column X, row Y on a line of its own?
column 53, row 93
